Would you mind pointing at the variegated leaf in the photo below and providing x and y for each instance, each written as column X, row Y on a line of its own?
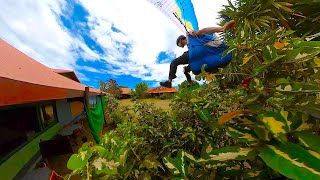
column 242, row 134
column 227, row 153
column 151, row 162
column 204, row 115
column 291, row 160
column 177, row 165
column 228, row 116
column 276, row 124
column 262, row 132
column 309, row 140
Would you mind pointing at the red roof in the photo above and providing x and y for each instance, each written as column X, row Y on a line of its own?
column 23, row 80
column 163, row 90
column 67, row 73
column 125, row 90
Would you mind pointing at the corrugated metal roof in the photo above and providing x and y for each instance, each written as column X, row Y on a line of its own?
column 17, row 66
column 163, row 90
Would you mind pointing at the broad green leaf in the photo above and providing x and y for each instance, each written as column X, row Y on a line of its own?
column 276, row 124
column 308, row 44
column 204, row 115
column 188, row 91
column 300, row 54
column 262, row 132
column 291, row 160
column 288, row 33
column 299, row 87
column 228, row 116
column 101, row 150
column 76, row 162
column 228, row 153
column 309, row 140
column 269, row 53
column 177, row 165
column 242, row 135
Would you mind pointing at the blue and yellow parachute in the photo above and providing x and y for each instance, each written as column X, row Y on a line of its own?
column 182, row 13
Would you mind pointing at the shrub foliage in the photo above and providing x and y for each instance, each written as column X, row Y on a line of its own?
column 260, row 121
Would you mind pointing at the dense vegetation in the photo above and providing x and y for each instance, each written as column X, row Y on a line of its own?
column 260, row 121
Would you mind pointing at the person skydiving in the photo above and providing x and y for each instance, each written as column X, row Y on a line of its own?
column 182, row 41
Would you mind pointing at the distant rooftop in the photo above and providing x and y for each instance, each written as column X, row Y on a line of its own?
column 162, row 90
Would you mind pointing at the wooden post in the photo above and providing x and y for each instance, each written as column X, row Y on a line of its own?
column 86, row 98
column 104, row 117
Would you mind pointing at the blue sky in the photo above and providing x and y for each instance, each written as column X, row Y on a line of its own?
column 128, row 41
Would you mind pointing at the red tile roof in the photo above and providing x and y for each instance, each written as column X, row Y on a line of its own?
column 163, row 90
column 16, row 67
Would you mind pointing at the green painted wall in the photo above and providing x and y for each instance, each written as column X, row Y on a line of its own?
column 10, row 168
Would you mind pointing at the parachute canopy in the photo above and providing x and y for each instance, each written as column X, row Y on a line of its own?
column 181, row 12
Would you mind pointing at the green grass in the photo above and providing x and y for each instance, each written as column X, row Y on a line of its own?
column 163, row 104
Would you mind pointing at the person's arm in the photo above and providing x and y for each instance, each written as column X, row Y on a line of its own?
column 211, row 30
column 208, row 30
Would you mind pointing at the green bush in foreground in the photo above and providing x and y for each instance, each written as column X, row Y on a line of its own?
column 261, row 121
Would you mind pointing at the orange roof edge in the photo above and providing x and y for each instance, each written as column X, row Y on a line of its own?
column 22, row 70
column 163, row 90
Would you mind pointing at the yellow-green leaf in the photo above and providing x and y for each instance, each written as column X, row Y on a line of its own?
column 246, row 59
column 276, row 124
column 316, row 60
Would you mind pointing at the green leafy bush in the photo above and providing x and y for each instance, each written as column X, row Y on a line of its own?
column 261, row 121
column 112, row 106
column 166, row 96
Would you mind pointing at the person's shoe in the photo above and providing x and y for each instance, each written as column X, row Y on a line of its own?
column 166, row 84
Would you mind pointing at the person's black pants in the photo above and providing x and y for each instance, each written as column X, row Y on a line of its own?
column 183, row 59
column 186, row 72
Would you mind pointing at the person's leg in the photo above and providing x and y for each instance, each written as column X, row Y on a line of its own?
column 183, row 59
column 186, row 71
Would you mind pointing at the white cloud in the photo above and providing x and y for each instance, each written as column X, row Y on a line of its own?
column 33, row 27
column 91, row 69
column 146, row 29
column 82, row 77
